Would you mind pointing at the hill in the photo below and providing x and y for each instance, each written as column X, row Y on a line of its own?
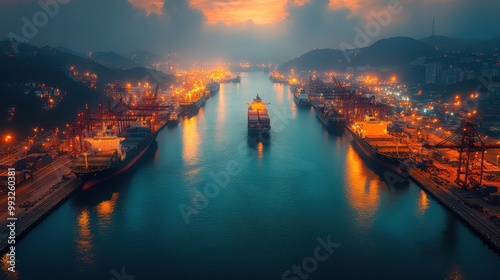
column 394, row 52
column 48, row 65
column 112, row 60
column 467, row 45
column 145, row 58
column 318, row 59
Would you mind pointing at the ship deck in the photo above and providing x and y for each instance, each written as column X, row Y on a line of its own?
column 387, row 145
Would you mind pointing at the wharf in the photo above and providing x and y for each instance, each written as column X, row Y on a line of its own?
column 37, row 199
column 160, row 125
column 457, row 201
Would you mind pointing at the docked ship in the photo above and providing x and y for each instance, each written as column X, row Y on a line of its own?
column 258, row 117
column 277, row 77
column 174, row 112
column 193, row 102
column 111, row 155
column 230, row 79
column 213, row 87
column 301, row 98
column 236, row 79
column 330, row 117
column 372, row 140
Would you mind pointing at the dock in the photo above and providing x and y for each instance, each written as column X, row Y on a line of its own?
column 455, row 199
column 36, row 199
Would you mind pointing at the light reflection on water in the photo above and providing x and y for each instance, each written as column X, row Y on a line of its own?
column 190, row 140
column 362, row 192
column 84, row 239
column 423, row 202
column 105, row 210
column 305, row 183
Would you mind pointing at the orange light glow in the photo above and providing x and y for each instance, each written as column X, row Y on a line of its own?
column 260, row 149
column 190, row 140
column 221, row 115
column 240, row 11
column 107, row 207
column 345, row 4
column 362, row 192
column 233, row 12
column 83, row 239
column 150, row 6
column 423, row 202
column 6, row 266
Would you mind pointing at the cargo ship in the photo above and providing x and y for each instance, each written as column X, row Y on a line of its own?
column 111, row 155
column 191, row 104
column 213, row 87
column 301, row 98
column 236, row 79
column 330, row 117
column 258, row 117
column 374, row 143
column 174, row 111
column 277, row 77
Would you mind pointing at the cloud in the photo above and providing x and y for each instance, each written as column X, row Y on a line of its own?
column 150, row 6
column 230, row 11
column 241, row 11
column 241, row 28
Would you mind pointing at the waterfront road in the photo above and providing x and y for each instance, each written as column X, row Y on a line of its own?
column 35, row 199
column 453, row 197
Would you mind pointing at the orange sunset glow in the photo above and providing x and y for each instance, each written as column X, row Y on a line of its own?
column 235, row 12
column 257, row 11
column 150, row 6
column 230, row 12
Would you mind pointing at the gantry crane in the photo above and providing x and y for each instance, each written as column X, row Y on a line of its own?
column 355, row 106
column 469, row 144
column 120, row 114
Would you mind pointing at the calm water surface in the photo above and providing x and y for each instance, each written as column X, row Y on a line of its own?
column 278, row 200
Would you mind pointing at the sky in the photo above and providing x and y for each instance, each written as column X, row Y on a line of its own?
column 243, row 29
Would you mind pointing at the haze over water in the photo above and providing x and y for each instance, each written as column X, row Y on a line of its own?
column 304, row 185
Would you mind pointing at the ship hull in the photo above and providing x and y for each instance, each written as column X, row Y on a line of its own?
column 331, row 124
column 94, row 178
column 173, row 122
column 258, row 118
column 213, row 88
column 302, row 102
column 377, row 159
column 192, row 108
column 257, row 131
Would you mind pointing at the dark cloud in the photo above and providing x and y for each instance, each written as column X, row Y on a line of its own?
column 117, row 25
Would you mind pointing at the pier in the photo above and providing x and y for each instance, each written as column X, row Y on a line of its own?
column 36, row 199
column 452, row 197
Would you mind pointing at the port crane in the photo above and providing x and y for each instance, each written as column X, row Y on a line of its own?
column 118, row 112
column 355, row 106
column 469, row 144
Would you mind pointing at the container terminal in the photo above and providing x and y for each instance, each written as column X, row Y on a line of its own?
column 45, row 180
column 452, row 169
